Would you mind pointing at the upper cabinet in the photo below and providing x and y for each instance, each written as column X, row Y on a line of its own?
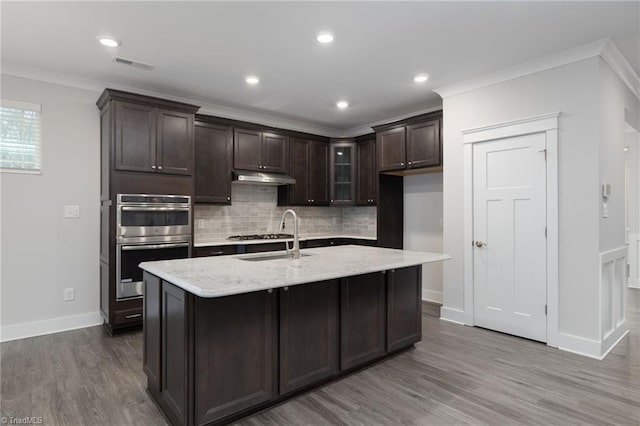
column 343, row 171
column 213, row 163
column 366, row 173
column 309, row 166
column 260, row 151
column 150, row 134
column 411, row 144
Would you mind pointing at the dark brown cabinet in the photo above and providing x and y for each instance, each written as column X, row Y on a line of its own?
column 423, row 144
column 235, row 357
column 362, row 319
column 342, row 175
column 404, row 309
column 309, row 166
column 413, row 144
column 150, row 139
column 213, row 148
column 308, row 334
column 260, row 151
column 367, row 173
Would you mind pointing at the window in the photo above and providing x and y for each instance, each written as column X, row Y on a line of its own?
column 20, row 149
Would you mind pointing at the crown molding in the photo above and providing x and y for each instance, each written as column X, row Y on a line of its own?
column 368, row 128
column 604, row 48
column 208, row 108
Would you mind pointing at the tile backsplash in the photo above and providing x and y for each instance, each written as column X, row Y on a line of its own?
column 255, row 211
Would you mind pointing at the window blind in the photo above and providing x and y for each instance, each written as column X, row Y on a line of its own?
column 20, row 136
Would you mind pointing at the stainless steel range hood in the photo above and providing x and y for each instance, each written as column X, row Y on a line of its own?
column 262, row 178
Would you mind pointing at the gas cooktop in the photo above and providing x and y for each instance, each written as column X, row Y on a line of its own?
column 260, row 237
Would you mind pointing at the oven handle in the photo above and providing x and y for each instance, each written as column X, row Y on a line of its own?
column 154, row 209
column 154, row 246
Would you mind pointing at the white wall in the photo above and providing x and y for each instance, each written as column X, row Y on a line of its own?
column 42, row 252
column 423, row 228
column 572, row 90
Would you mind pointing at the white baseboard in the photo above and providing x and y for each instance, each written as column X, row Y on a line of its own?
column 452, row 315
column 633, row 285
column 432, row 296
column 50, row 326
column 579, row 345
column 614, row 338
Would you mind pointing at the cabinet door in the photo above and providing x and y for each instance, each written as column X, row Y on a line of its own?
column 213, row 159
column 247, row 149
column 423, row 144
column 391, row 149
column 175, row 143
column 175, row 352
column 308, row 334
column 235, row 359
column 362, row 319
column 319, row 173
column 367, row 174
column 275, row 153
column 135, row 137
column 342, row 185
column 404, row 309
column 151, row 348
column 299, row 170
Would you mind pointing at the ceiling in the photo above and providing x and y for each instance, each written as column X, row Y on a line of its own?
column 204, row 50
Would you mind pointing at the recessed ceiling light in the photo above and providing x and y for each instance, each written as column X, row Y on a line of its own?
column 252, row 79
column 108, row 41
column 421, row 78
column 342, row 104
column 324, row 38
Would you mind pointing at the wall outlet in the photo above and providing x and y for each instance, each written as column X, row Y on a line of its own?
column 69, row 294
column 605, row 210
column 72, row 212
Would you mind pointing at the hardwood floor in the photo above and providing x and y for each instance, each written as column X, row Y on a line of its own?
column 456, row 375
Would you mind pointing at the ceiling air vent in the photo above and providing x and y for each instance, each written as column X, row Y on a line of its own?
column 132, row 63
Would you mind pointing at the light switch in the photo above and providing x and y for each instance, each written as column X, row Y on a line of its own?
column 72, row 212
column 605, row 210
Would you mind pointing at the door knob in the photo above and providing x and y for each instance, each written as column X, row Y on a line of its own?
column 479, row 244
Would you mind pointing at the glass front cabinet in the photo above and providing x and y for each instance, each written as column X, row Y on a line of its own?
column 343, row 171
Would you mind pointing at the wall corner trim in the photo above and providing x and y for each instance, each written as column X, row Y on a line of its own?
column 604, row 48
column 49, row 326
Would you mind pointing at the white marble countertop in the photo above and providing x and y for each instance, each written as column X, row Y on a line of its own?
column 226, row 242
column 218, row 276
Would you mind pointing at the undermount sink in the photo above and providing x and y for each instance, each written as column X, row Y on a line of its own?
column 271, row 257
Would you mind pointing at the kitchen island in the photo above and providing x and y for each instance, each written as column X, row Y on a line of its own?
column 227, row 336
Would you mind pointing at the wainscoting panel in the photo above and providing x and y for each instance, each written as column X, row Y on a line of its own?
column 613, row 287
column 634, row 260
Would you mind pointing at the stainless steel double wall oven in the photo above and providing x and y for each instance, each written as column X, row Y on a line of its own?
column 149, row 227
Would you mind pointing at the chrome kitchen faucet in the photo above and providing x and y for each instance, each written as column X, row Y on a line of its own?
column 295, row 251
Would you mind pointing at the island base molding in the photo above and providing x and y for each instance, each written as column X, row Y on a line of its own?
column 211, row 361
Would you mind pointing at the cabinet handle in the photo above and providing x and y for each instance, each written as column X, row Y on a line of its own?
column 228, row 198
column 153, row 167
column 286, row 288
column 262, row 167
column 332, row 201
column 270, row 291
column 133, row 316
column 409, row 162
column 402, row 164
column 159, row 167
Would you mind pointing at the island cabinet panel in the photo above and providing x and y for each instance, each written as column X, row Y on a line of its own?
column 362, row 319
column 404, row 322
column 151, row 333
column 308, row 334
column 235, row 355
column 175, row 352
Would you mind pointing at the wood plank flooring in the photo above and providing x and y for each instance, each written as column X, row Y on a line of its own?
column 456, row 375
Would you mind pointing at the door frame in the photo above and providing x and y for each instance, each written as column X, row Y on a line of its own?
column 547, row 124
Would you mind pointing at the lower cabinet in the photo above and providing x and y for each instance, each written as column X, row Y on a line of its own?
column 404, row 307
column 235, row 354
column 213, row 360
column 362, row 319
column 308, row 334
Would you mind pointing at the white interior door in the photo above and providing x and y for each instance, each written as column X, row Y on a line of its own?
column 509, row 228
